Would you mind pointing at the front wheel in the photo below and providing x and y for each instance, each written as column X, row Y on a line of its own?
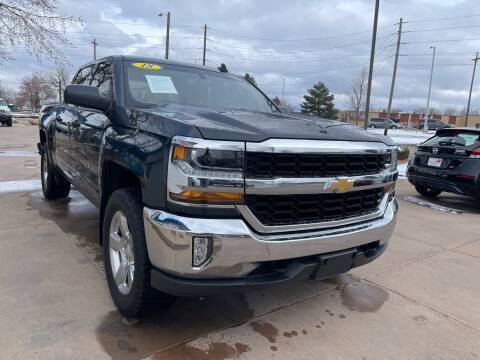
column 394, row 127
column 127, row 265
column 54, row 184
column 9, row 122
column 426, row 191
column 372, row 126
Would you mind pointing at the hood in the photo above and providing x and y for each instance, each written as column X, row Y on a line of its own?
column 252, row 126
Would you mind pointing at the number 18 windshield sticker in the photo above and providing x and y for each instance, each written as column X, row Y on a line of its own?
column 148, row 66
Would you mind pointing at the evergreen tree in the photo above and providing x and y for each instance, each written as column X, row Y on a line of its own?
column 250, row 79
column 319, row 102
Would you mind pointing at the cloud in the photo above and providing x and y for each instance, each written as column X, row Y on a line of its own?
column 304, row 41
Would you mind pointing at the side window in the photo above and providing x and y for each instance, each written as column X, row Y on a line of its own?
column 103, row 79
column 84, row 76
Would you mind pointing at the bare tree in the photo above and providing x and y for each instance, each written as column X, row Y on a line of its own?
column 357, row 93
column 8, row 94
column 35, row 24
column 283, row 105
column 451, row 110
column 34, row 89
column 58, row 80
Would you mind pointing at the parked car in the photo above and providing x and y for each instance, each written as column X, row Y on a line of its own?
column 205, row 187
column 434, row 124
column 396, row 120
column 449, row 161
column 5, row 114
column 380, row 123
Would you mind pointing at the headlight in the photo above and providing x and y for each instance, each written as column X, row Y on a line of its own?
column 391, row 162
column 202, row 172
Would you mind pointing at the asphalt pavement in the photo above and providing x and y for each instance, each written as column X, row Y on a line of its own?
column 420, row 300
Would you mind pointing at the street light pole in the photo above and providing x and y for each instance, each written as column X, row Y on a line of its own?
column 167, row 39
column 204, row 44
column 425, row 121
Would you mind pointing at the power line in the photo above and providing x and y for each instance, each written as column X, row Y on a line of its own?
column 299, row 50
column 442, row 28
column 438, row 41
column 426, row 65
column 297, row 40
column 443, row 18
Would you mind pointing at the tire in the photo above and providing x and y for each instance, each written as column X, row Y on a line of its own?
column 394, row 127
column 372, row 126
column 427, row 192
column 132, row 292
column 9, row 122
column 54, row 184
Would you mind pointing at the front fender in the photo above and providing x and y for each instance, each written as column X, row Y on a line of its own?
column 144, row 155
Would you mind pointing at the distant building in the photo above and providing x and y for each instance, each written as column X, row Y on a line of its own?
column 409, row 119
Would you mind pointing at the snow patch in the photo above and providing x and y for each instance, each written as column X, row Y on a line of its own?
column 20, row 186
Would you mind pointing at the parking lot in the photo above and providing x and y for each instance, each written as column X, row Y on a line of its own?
column 420, row 300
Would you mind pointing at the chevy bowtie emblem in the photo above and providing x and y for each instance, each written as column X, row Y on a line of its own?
column 339, row 185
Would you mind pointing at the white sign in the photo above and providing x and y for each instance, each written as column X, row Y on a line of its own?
column 161, row 84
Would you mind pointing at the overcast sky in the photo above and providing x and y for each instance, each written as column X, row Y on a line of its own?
column 302, row 40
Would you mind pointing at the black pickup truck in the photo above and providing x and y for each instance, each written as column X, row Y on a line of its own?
column 204, row 186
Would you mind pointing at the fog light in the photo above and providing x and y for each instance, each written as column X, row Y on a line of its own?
column 201, row 250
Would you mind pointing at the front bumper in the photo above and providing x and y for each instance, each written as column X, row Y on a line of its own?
column 5, row 118
column 237, row 250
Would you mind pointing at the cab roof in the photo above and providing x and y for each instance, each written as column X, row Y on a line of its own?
column 152, row 60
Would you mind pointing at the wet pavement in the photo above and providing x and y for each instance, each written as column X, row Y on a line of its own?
column 420, row 300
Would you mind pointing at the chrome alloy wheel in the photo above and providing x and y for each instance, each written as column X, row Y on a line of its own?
column 122, row 258
column 45, row 169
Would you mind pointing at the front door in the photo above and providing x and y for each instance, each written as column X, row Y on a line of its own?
column 87, row 135
column 62, row 153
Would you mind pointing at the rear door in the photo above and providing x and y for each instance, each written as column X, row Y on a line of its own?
column 87, row 133
column 63, row 128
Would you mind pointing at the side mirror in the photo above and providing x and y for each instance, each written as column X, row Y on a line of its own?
column 86, row 96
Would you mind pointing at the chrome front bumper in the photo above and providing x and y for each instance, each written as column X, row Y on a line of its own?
column 237, row 250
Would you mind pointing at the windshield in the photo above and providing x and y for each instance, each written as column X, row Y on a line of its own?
column 160, row 84
column 452, row 138
column 4, row 106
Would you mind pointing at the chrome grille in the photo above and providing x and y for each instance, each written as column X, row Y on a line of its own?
column 276, row 165
column 276, row 210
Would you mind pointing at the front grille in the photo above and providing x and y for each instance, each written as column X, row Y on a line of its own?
column 312, row 208
column 274, row 165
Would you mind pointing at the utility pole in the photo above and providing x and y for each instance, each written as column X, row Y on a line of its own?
column 94, row 43
column 60, row 90
column 471, row 87
column 370, row 69
column 167, row 40
column 204, row 43
column 425, row 121
column 283, row 87
column 394, row 75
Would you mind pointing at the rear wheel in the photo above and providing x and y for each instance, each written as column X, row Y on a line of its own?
column 372, row 126
column 9, row 122
column 127, row 265
column 54, row 184
column 394, row 127
column 426, row 191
